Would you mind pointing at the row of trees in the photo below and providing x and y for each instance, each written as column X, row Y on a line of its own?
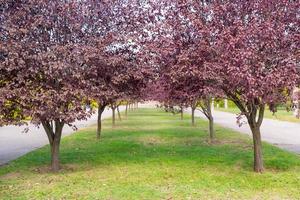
column 245, row 51
column 59, row 56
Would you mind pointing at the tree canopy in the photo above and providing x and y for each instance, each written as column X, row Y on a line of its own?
column 58, row 56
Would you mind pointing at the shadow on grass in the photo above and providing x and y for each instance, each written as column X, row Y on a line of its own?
column 157, row 138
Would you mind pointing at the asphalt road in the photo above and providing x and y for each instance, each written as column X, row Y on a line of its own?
column 283, row 134
column 15, row 143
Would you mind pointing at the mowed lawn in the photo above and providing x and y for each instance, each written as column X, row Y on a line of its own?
column 153, row 155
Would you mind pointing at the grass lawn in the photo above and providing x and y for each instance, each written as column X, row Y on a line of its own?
column 282, row 115
column 153, row 155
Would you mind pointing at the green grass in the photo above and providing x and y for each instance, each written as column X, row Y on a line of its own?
column 282, row 115
column 153, row 155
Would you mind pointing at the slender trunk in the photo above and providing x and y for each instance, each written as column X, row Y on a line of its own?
column 210, row 119
column 181, row 113
column 193, row 116
column 255, row 124
column 99, row 121
column 211, row 130
column 113, row 108
column 126, row 110
column 54, row 137
column 258, row 156
column 254, row 111
column 119, row 114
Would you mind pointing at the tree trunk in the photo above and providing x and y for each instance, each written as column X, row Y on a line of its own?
column 113, row 108
column 54, row 137
column 258, row 156
column 255, row 124
column 254, row 111
column 210, row 119
column 99, row 120
column 181, row 113
column 211, row 130
column 126, row 110
column 119, row 114
column 55, row 155
column 193, row 116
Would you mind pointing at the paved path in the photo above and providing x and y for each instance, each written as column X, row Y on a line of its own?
column 14, row 143
column 280, row 133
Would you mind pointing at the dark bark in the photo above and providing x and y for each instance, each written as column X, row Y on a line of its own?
column 126, row 110
column 99, row 120
column 181, row 113
column 211, row 130
column 193, row 115
column 55, row 155
column 119, row 114
column 255, row 124
column 255, row 120
column 113, row 108
column 206, row 109
column 258, row 156
column 54, row 133
column 210, row 119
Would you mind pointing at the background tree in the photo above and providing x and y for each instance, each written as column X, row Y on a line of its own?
column 184, row 47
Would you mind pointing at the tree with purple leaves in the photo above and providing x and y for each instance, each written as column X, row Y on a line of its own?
column 56, row 57
column 115, row 66
column 184, row 48
column 113, row 76
column 54, row 61
column 249, row 51
column 44, row 83
column 254, row 48
column 184, row 85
